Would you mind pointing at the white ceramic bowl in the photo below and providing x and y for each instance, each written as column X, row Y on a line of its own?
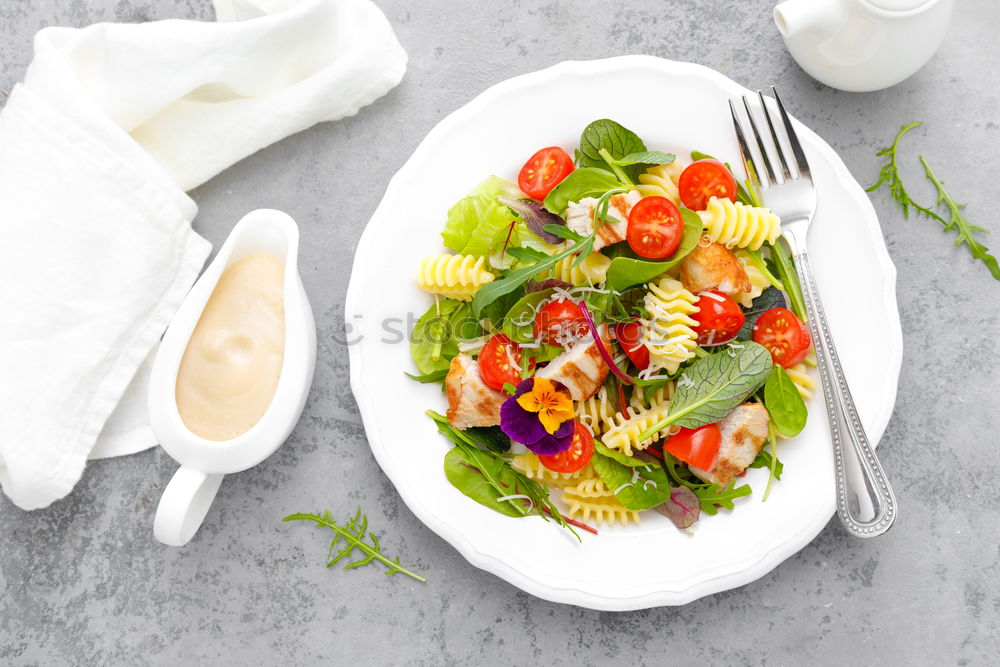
column 675, row 107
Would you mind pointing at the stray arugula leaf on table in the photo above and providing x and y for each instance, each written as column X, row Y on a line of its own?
column 965, row 230
column 351, row 536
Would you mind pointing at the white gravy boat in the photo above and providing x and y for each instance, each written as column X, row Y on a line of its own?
column 862, row 45
column 190, row 493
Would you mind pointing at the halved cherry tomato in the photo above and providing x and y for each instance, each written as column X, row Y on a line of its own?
column 698, row 447
column 719, row 318
column 781, row 332
column 494, row 362
column 543, row 171
column 629, row 336
column 559, row 322
column 655, row 227
column 704, row 179
column 581, row 450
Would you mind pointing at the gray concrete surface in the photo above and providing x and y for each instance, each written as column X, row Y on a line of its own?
column 83, row 581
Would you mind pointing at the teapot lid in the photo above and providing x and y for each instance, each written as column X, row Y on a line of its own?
column 898, row 5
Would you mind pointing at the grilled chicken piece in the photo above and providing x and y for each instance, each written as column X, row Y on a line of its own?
column 580, row 217
column 470, row 401
column 744, row 431
column 581, row 368
column 713, row 267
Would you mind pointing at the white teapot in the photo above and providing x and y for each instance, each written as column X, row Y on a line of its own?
column 862, row 45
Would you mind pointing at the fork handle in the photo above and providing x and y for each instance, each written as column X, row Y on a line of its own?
column 860, row 476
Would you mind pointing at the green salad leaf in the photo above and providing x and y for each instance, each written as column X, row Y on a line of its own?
column 784, row 403
column 429, row 378
column 434, row 339
column 581, row 183
column 637, row 485
column 604, row 142
column 628, row 269
column 476, row 219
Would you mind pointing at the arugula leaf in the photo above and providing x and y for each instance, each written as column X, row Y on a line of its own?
column 492, row 291
column 527, row 254
column 712, row 497
column 581, row 183
column 619, row 457
column 889, row 173
column 433, row 341
column 768, row 299
column 764, row 460
column 427, row 378
column 784, row 403
column 789, row 277
column 713, row 385
column 519, row 325
column 626, row 270
column 614, row 140
column 637, row 487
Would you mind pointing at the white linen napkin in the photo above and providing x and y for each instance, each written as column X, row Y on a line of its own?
column 112, row 124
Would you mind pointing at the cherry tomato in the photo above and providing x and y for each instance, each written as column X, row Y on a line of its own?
column 655, row 227
column 543, row 171
column 579, row 453
column 704, row 179
column 698, row 447
column 784, row 335
column 559, row 322
column 629, row 336
column 719, row 318
column 494, row 362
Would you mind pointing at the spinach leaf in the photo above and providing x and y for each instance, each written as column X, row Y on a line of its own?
column 768, row 299
column 712, row 386
column 433, row 341
column 427, row 378
column 628, row 269
column 646, row 158
column 581, row 183
column 783, row 400
column 497, row 311
column 520, row 323
column 490, row 438
column 612, row 139
column 763, row 460
column 637, row 487
column 469, row 475
column 492, row 291
column 712, row 497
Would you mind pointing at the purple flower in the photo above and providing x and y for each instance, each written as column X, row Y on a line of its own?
column 539, row 415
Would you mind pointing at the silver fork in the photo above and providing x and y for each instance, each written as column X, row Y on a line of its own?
column 860, row 476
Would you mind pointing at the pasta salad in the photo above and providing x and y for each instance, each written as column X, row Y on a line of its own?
column 617, row 330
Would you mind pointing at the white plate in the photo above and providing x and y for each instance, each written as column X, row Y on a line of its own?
column 674, row 107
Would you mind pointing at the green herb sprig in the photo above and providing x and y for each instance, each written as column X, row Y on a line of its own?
column 351, row 536
column 965, row 230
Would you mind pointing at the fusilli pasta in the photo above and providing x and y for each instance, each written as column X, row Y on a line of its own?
column 661, row 181
column 799, row 375
column 595, row 412
column 737, row 225
column 669, row 334
column 591, row 271
column 623, row 430
column 604, row 510
column 453, row 276
column 758, row 282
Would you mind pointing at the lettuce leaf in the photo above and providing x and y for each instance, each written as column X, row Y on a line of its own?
column 475, row 220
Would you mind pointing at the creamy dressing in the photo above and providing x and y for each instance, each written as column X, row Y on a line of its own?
column 231, row 366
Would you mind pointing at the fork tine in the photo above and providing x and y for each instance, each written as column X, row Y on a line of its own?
column 760, row 144
column 793, row 139
column 748, row 164
column 774, row 137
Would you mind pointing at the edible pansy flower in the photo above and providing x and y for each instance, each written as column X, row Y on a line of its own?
column 539, row 415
